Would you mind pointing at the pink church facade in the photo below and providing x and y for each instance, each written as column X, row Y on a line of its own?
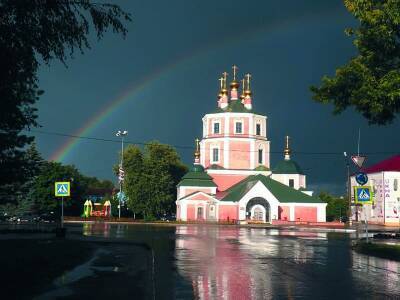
column 231, row 179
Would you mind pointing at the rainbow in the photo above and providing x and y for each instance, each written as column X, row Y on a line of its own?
column 61, row 153
column 66, row 148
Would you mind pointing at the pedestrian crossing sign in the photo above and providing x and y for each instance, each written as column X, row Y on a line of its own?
column 62, row 189
column 363, row 195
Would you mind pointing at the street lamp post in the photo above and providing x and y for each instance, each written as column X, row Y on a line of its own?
column 348, row 187
column 122, row 134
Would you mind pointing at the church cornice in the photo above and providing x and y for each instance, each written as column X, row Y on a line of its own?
column 236, row 136
column 233, row 114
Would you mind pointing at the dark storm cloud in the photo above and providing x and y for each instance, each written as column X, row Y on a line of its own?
column 286, row 45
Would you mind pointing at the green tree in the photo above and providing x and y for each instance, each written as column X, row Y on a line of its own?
column 34, row 32
column 164, row 170
column 151, row 177
column 42, row 193
column 95, row 183
column 18, row 195
column 133, row 184
column 34, row 164
column 337, row 208
column 369, row 82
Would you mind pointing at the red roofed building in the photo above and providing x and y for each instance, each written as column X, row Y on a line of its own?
column 384, row 178
column 387, row 165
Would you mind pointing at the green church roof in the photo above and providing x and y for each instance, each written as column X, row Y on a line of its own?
column 283, row 193
column 234, row 106
column 287, row 167
column 197, row 177
column 261, row 168
column 215, row 167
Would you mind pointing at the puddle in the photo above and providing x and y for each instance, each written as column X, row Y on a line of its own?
column 85, row 270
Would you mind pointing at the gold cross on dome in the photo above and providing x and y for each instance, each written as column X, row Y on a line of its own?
column 248, row 76
column 234, row 68
column 225, row 75
column 221, row 82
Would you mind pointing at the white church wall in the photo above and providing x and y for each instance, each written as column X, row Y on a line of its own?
column 284, row 178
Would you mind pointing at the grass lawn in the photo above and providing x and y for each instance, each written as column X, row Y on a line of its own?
column 29, row 265
column 380, row 250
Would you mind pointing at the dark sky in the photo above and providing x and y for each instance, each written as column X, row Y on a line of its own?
column 179, row 49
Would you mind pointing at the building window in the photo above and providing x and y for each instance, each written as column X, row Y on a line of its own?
column 238, row 127
column 258, row 129
column 199, row 213
column 395, row 185
column 216, row 128
column 291, row 183
column 260, row 156
column 215, row 155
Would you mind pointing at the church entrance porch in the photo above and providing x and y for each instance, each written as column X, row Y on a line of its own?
column 258, row 210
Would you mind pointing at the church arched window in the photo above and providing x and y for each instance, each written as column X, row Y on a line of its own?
column 216, row 127
column 260, row 155
column 258, row 129
column 214, row 155
column 239, row 127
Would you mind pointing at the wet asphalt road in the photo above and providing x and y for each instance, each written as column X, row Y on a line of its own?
column 223, row 262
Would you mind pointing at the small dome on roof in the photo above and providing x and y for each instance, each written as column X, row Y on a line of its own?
column 197, row 168
column 287, row 167
column 215, row 167
column 197, row 177
column 261, row 168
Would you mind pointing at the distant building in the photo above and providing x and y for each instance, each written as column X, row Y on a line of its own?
column 231, row 177
column 384, row 178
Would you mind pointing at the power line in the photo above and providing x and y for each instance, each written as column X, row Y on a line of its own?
column 190, row 147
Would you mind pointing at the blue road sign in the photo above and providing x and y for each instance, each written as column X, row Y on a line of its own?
column 363, row 194
column 62, row 189
column 361, row 178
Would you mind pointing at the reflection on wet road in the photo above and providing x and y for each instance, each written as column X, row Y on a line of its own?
column 227, row 262
column 244, row 263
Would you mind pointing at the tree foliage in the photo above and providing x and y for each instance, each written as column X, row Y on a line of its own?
column 34, row 32
column 369, row 82
column 95, row 183
column 42, row 193
column 337, row 208
column 151, row 177
column 36, row 195
column 14, row 193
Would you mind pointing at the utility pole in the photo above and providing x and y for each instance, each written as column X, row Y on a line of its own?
column 348, row 188
column 122, row 134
